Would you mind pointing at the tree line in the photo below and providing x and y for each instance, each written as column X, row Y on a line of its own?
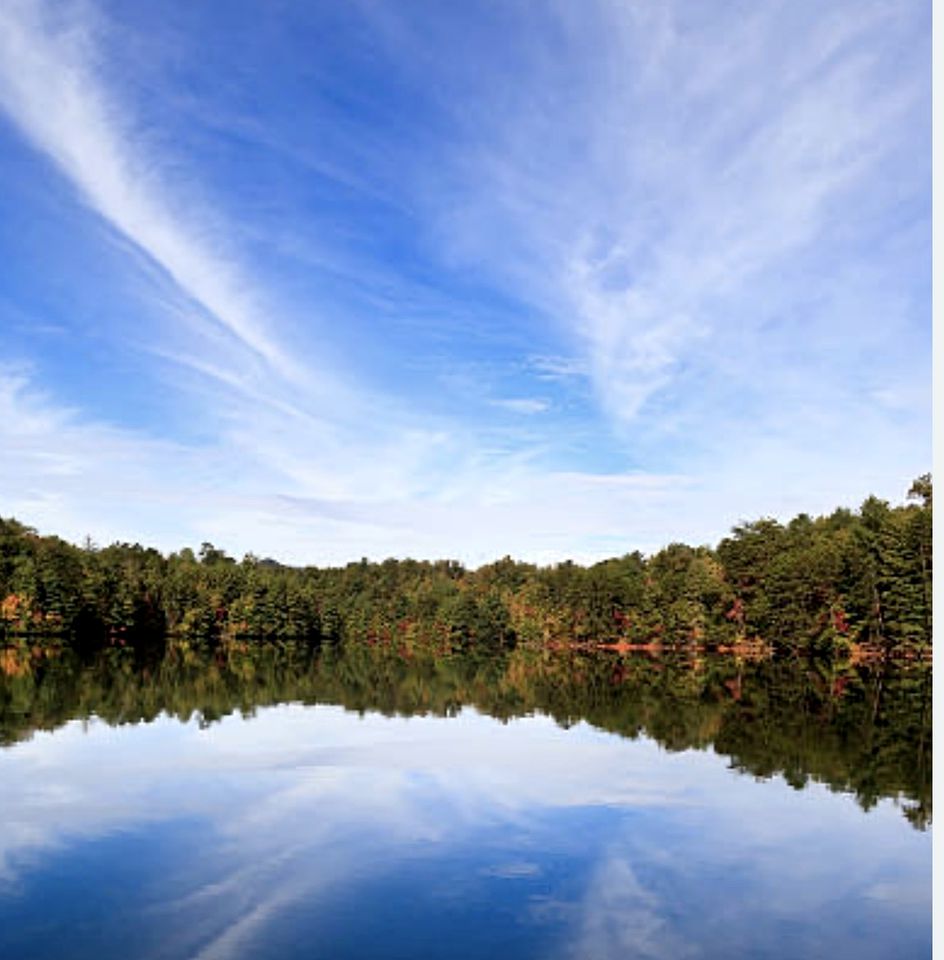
column 829, row 584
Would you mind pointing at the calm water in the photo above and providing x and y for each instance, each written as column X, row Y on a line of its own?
column 402, row 808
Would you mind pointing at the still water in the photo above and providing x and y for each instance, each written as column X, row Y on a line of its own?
column 526, row 807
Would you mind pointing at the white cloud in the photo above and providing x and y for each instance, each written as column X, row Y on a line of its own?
column 668, row 192
column 559, row 368
column 524, row 405
column 688, row 204
column 301, row 494
column 51, row 88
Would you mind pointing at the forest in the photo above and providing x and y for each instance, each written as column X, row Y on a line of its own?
column 854, row 582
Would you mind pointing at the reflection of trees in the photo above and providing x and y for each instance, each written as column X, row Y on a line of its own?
column 863, row 729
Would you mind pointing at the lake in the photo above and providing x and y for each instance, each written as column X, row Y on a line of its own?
column 361, row 803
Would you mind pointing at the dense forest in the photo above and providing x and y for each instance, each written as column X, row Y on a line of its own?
column 862, row 728
column 853, row 581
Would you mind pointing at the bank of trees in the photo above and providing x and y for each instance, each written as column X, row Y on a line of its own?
column 813, row 585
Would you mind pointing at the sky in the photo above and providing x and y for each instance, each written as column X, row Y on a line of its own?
column 323, row 280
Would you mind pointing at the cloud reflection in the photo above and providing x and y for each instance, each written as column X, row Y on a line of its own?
column 608, row 842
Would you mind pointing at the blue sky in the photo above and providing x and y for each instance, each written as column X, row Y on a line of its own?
column 331, row 280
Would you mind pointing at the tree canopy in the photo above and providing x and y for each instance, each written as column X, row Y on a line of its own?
column 822, row 584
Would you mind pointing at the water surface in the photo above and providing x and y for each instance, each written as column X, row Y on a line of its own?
column 410, row 830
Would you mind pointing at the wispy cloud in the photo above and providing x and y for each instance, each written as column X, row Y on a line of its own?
column 50, row 85
column 731, row 155
column 423, row 495
column 525, row 405
column 559, row 368
column 672, row 275
column 687, row 204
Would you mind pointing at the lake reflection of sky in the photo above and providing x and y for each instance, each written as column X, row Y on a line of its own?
column 312, row 832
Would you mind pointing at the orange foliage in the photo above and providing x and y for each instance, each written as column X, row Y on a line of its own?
column 10, row 607
column 13, row 663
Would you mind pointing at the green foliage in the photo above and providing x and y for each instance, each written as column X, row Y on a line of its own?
column 815, row 585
